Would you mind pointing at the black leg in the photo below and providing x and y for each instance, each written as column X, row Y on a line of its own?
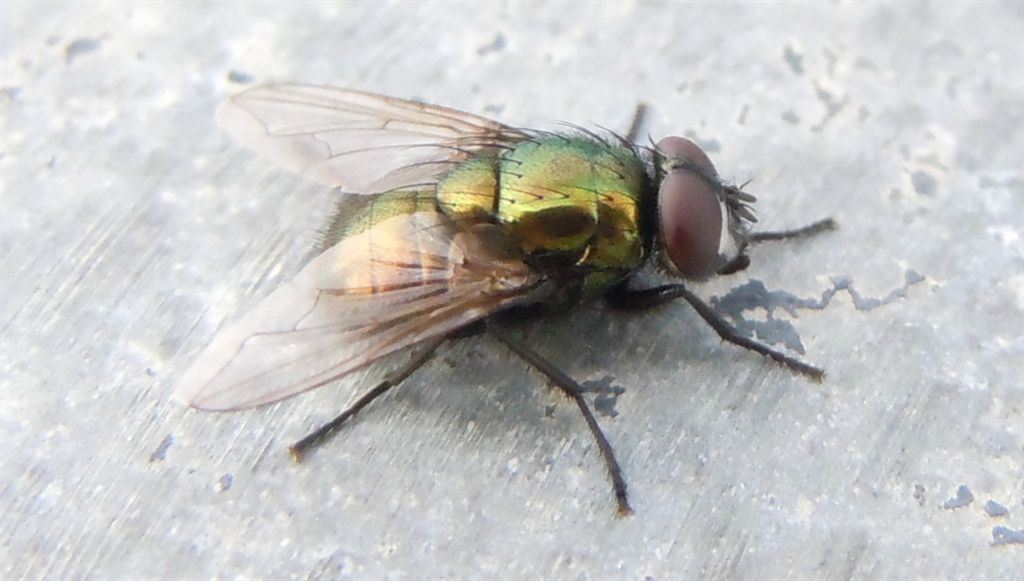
column 741, row 261
column 623, row 298
column 575, row 391
column 638, row 300
column 826, row 225
column 637, row 124
column 299, row 449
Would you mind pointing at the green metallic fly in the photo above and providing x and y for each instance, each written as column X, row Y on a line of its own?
column 472, row 220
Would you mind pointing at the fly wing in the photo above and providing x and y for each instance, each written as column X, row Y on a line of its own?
column 357, row 141
column 405, row 280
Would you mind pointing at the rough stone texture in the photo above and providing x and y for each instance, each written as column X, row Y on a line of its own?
column 132, row 228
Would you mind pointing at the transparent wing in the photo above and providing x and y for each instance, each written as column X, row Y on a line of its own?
column 360, row 142
column 404, row 280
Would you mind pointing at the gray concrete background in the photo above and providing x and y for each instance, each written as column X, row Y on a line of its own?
column 132, row 228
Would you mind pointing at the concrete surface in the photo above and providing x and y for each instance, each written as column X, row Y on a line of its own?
column 132, row 228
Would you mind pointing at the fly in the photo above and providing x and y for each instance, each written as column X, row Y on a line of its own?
column 471, row 220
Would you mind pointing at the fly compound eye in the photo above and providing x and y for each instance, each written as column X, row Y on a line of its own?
column 690, row 209
column 680, row 149
column 691, row 223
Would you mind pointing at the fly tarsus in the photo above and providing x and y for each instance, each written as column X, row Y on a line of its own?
column 575, row 391
column 323, row 433
column 729, row 333
column 643, row 299
column 825, row 225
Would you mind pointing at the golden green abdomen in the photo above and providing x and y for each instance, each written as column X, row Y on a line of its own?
column 573, row 200
column 469, row 193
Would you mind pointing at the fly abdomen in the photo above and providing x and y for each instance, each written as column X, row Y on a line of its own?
column 468, row 194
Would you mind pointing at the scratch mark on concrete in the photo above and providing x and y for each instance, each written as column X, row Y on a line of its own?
column 160, row 453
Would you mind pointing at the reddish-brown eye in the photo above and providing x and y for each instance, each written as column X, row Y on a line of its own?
column 682, row 148
column 690, row 211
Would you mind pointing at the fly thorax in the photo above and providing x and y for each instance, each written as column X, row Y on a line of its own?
column 573, row 199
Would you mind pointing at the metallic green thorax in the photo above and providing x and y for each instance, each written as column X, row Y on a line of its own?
column 567, row 201
column 574, row 205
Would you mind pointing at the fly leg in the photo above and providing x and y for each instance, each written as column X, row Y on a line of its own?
column 575, row 391
column 742, row 261
column 826, row 225
column 637, row 123
column 640, row 300
column 324, row 432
